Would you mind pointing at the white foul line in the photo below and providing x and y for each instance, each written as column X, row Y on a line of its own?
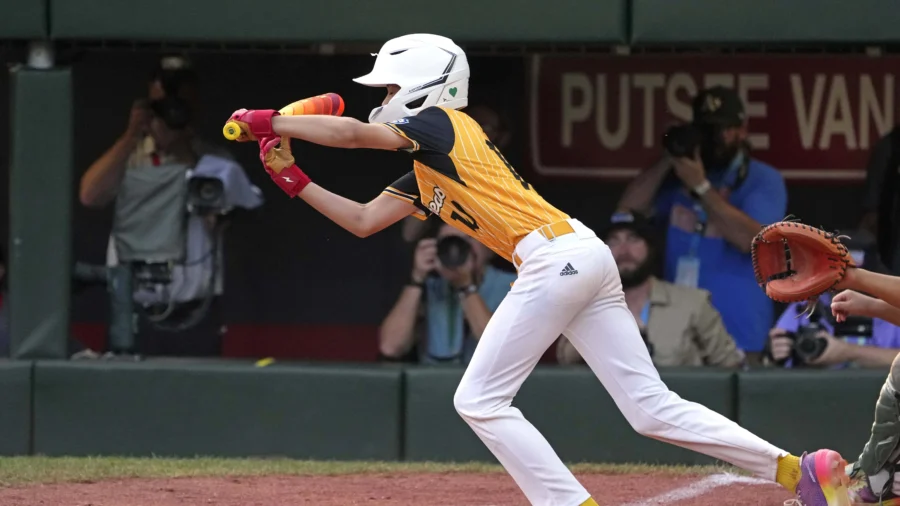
column 699, row 488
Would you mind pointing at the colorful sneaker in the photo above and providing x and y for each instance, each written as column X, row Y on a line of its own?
column 862, row 488
column 823, row 479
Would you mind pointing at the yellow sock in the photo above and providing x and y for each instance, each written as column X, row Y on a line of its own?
column 788, row 473
column 590, row 502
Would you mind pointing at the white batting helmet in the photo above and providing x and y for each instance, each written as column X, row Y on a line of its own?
column 429, row 69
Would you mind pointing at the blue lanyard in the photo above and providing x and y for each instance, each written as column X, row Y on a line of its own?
column 700, row 229
column 645, row 313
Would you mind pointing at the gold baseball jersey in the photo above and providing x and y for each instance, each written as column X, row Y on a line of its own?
column 459, row 175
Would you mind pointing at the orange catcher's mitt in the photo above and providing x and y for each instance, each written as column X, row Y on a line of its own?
column 794, row 262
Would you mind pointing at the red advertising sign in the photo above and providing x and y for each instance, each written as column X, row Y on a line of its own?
column 812, row 117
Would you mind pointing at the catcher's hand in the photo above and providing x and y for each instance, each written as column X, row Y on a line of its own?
column 794, row 262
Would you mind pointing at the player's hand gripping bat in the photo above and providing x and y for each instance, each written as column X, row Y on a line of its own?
column 274, row 151
column 329, row 103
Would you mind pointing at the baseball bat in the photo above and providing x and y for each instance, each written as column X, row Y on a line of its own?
column 330, row 103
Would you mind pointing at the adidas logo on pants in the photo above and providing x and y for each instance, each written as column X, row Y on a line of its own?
column 568, row 270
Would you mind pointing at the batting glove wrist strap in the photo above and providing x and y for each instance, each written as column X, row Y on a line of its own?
column 259, row 122
column 291, row 179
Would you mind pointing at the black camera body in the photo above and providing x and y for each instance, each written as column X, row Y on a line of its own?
column 683, row 140
column 151, row 274
column 808, row 346
column 173, row 111
column 453, row 251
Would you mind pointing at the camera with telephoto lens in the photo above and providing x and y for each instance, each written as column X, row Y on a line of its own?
column 173, row 111
column 683, row 140
column 807, row 345
column 206, row 195
column 453, row 251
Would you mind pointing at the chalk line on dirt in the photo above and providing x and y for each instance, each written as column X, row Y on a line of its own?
column 700, row 488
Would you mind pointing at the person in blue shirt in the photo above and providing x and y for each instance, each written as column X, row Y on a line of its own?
column 443, row 309
column 712, row 205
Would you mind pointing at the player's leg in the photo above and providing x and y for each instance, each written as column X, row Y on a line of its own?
column 529, row 320
column 873, row 473
column 607, row 337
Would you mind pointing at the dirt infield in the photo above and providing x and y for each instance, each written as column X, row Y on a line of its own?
column 395, row 489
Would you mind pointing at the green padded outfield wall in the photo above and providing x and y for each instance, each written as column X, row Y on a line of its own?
column 806, row 410
column 40, row 212
column 328, row 412
column 748, row 21
column 339, row 20
column 23, row 19
column 144, row 409
column 569, row 406
column 15, row 408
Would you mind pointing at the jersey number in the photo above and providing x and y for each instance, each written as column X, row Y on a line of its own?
column 508, row 166
column 466, row 220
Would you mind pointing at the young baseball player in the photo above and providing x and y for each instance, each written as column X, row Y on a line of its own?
column 567, row 281
column 873, row 473
column 794, row 262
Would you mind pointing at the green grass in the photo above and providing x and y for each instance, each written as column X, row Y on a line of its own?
column 30, row 470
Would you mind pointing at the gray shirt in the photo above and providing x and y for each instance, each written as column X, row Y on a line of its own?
column 151, row 220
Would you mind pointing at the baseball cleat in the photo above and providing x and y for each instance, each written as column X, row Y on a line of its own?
column 862, row 490
column 823, row 480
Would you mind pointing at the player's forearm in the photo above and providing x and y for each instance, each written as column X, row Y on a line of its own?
column 737, row 228
column 348, row 214
column 396, row 333
column 100, row 183
column 884, row 311
column 477, row 314
column 638, row 195
column 877, row 308
column 333, row 131
column 870, row 356
column 880, row 286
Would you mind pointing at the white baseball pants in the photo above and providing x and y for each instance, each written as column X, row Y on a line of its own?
column 589, row 308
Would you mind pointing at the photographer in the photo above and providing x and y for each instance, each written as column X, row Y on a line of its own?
column 818, row 340
column 713, row 197
column 443, row 309
column 164, row 251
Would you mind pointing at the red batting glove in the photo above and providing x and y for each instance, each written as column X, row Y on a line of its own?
column 256, row 123
column 290, row 178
